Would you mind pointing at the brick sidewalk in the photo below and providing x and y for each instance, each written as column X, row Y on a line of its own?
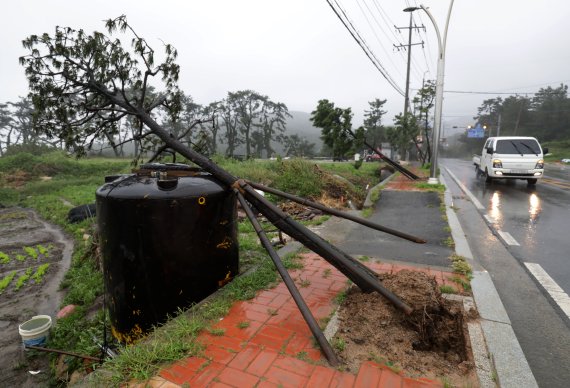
column 266, row 342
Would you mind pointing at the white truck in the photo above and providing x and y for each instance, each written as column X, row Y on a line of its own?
column 511, row 157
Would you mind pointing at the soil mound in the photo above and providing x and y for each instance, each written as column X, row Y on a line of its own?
column 430, row 342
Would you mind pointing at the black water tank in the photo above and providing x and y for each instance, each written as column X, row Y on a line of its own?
column 168, row 239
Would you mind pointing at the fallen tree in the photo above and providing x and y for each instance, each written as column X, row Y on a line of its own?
column 83, row 85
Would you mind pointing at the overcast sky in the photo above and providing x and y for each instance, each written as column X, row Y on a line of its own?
column 298, row 51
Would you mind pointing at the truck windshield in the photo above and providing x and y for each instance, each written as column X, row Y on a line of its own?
column 517, row 146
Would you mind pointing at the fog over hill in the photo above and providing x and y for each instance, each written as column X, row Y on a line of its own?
column 300, row 124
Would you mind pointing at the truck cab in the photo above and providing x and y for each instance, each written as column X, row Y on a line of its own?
column 511, row 157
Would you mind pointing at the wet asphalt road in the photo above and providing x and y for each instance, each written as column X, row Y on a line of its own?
column 538, row 220
column 537, row 217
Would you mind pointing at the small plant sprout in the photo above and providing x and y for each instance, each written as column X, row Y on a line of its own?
column 4, row 258
column 40, row 272
column 339, row 344
column 272, row 312
column 243, row 325
column 340, row 298
column 447, row 289
column 23, row 279
column 42, row 250
column 304, row 283
column 31, row 252
column 327, row 272
column 6, row 280
column 20, row 257
column 218, row 332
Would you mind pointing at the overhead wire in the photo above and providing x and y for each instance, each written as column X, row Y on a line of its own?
column 376, row 35
column 358, row 38
column 401, row 44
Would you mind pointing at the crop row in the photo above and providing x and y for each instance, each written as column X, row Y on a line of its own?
column 27, row 252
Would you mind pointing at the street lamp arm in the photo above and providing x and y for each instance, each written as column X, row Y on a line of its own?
column 439, row 42
column 447, row 24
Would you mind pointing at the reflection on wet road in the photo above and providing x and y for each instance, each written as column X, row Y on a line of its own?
column 536, row 217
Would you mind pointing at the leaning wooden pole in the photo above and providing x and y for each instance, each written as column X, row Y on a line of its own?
column 361, row 275
column 407, row 173
column 337, row 213
column 293, row 290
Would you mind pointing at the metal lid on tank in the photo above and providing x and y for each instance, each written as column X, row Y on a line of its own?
column 162, row 181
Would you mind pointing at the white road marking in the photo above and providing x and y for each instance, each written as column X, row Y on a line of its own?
column 506, row 236
column 489, row 219
column 465, row 190
column 557, row 293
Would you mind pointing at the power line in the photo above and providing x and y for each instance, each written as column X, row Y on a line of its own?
column 473, row 92
column 374, row 32
column 354, row 33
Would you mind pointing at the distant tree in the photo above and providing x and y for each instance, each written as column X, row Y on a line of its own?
column 6, row 128
column 212, row 126
column 247, row 104
column 403, row 135
column 375, row 133
column 296, row 146
column 551, row 113
column 335, row 124
column 273, row 120
column 424, row 102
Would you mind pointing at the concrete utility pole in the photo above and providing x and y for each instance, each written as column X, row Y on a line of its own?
column 441, row 41
column 409, row 46
column 499, row 126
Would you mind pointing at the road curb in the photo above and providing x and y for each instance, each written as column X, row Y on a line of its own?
column 502, row 346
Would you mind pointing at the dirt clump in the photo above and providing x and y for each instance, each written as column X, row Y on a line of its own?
column 430, row 342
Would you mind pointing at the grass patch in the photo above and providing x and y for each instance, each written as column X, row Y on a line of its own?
column 461, row 266
column 338, row 344
column 340, row 298
column 364, row 258
column 218, row 332
column 462, row 282
column 367, row 212
column 437, row 187
column 304, row 283
column 447, row 289
column 243, row 324
column 449, row 242
column 292, row 261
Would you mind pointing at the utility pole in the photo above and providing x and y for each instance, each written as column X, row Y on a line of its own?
column 499, row 125
column 409, row 47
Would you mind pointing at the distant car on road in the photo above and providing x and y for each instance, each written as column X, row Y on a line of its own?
column 373, row 158
column 565, row 160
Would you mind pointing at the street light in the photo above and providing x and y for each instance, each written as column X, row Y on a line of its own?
column 438, row 89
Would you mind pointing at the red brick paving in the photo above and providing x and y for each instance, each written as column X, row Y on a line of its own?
column 267, row 353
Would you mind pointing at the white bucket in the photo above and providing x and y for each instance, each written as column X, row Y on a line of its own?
column 35, row 331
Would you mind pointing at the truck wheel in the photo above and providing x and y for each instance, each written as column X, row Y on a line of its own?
column 532, row 181
column 488, row 179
